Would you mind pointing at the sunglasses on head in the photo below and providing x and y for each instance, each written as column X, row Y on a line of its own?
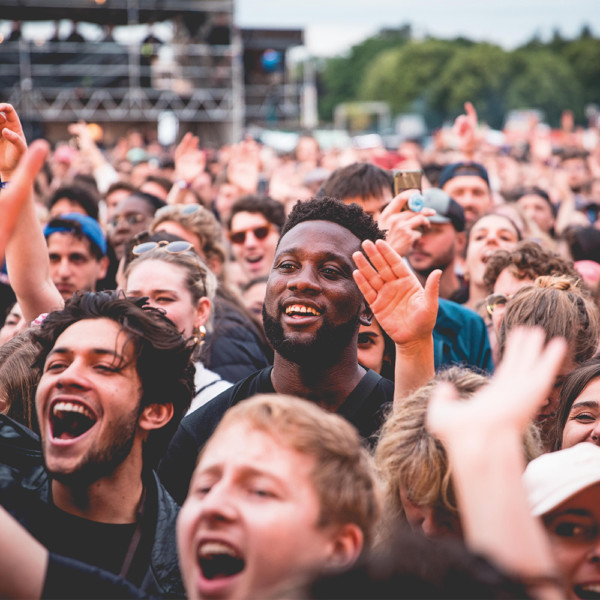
column 493, row 301
column 260, row 233
column 177, row 247
column 182, row 209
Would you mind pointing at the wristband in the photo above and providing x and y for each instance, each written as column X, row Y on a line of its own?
column 4, row 184
column 182, row 184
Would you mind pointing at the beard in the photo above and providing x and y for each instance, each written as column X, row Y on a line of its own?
column 98, row 463
column 324, row 349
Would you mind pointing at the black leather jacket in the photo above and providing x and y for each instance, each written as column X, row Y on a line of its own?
column 25, row 493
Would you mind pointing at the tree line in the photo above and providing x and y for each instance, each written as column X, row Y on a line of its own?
column 435, row 77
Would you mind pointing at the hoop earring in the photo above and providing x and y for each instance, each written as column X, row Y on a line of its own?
column 199, row 336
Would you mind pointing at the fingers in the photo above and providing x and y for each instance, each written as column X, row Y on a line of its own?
column 471, row 112
column 432, row 289
column 15, row 138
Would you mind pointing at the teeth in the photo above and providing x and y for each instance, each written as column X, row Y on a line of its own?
column 300, row 308
column 212, row 548
column 70, row 407
column 591, row 588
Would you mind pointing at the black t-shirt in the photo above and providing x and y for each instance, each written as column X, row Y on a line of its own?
column 365, row 408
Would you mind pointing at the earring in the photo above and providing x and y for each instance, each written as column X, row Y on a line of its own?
column 199, row 335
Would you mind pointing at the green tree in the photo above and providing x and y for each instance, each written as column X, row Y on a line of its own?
column 340, row 79
column 402, row 77
column 542, row 79
column 478, row 74
column 583, row 55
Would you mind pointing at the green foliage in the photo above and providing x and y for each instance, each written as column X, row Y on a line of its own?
column 478, row 74
column 402, row 76
column 436, row 77
column 543, row 80
column 341, row 76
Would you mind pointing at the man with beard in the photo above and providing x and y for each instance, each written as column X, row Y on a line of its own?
column 312, row 312
column 116, row 380
column 440, row 243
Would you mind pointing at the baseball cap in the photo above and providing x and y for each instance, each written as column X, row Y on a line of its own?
column 463, row 168
column 447, row 209
column 553, row 478
column 80, row 224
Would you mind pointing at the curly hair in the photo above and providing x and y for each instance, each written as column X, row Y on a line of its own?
column 350, row 216
column 271, row 210
column 528, row 260
column 163, row 357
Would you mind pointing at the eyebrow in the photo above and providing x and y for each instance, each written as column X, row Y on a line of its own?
column 95, row 351
column 588, row 403
column 323, row 256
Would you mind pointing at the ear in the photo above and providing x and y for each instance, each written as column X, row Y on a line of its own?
column 102, row 267
column 346, row 546
column 155, row 416
column 366, row 314
column 461, row 243
column 215, row 265
column 202, row 312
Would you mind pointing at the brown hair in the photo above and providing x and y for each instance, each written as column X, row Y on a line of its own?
column 19, row 378
column 528, row 260
column 201, row 223
column 343, row 475
column 562, row 308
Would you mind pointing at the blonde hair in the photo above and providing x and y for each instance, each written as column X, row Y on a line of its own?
column 343, row 475
column 201, row 223
column 408, row 457
column 199, row 280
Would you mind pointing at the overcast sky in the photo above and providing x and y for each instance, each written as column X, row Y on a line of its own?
column 333, row 26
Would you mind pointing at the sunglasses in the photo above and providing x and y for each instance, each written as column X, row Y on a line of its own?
column 260, row 233
column 130, row 219
column 493, row 301
column 177, row 247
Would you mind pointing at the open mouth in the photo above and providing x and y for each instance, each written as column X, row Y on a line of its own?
column 301, row 310
column 253, row 259
column 69, row 420
column 587, row 592
column 218, row 560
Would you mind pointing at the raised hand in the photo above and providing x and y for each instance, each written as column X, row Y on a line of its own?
column 517, row 391
column 190, row 161
column 405, row 310
column 12, row 141
column 16, row 195
column 465, row 130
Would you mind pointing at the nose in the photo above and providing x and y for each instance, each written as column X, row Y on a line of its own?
column 64, row 268
column 595, row 434
column 73, row 376
column 304, row 280
column 218, row 504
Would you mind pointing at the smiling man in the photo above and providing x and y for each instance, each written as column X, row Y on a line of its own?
column 253, row 231
column 312, row 312
column 116, row 380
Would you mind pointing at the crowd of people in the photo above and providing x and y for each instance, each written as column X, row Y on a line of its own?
column 235, row 373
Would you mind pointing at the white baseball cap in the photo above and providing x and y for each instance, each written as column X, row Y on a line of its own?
column 553, row 478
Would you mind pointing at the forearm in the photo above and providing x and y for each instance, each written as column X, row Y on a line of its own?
column 23, row 560
column 29, row 267
column 414, row 367
column 487, row 467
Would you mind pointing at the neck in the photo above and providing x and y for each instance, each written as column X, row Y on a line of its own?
column 328, row 387
column 111, row 499
column 449, row 282
column 477, row 294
